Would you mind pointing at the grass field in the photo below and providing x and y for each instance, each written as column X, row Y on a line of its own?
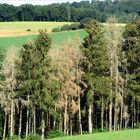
column 121, row 135
column 15, row 34
column 57, row 38
column 8, row 29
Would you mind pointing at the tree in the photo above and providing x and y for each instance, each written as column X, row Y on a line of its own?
column 69, row 74
column 34, row 84
column 96, row 68
column 114, row 39
column 132, row 53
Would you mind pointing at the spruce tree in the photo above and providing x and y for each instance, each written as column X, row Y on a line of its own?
column 96, row 66
column 33, row 79
column 132, row 53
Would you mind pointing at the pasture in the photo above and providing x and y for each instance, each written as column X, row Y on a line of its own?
column 8, row 29
column 57, row 38
column 120, row 135
column 15, row 34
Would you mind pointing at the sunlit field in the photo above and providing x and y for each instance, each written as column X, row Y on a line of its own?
column 120, row 135
column 57, row 38
column 8, row 29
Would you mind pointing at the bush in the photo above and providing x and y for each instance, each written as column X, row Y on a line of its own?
column 74, row 26
column 85, row 132
column 55, row 133
column 138, row 126
column 15, row 137
column 32, row 137
column 85, row 21
column 65, row 27
column 56, row 29
column 28, row 30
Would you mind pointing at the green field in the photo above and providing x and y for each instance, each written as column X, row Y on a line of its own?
column 34, row 26
column 15, row 34
column 57, row 38
column 120, row 135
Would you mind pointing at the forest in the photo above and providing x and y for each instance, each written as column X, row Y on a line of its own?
column 124, row 10
column 73, row 89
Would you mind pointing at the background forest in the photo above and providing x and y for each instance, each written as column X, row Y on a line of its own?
column 124, row 10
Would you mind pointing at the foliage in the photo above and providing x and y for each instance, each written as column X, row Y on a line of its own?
column 85, row 21
column 33, row 137
column 55, row 134
column 75, row 11
column 56, row 29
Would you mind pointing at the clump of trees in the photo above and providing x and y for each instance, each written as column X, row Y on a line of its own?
column 66, row 27
column 73, row 89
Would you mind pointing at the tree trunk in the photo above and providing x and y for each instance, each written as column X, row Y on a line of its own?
column 121, row 116
column 65, row 115
column 102, row 114
column 61, row 122
column 20, row 121
column 54, row 121
column 71, row 127
column 110, row 105
column 34, row 126
column 43, row 127
column 27, row 120
column 90, row 119
column 110, row 116
column 12, row 113
column 4, row 129
column 80, row 122
column 132, row 114
column 30, row 121
column 115, row 117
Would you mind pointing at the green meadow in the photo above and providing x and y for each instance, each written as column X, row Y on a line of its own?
column 120, row 135
column 57, row 38
column 33, row 26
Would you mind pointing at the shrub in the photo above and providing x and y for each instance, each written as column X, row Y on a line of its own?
column 15, row 137
column 33, row 137
column 28, row 30
column 56, row 29
column 137, row 126
column 74, row 26
column 65, row 27
column 85, row 21
column 55, row 133
column 85, row 132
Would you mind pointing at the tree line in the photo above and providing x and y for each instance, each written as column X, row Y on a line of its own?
column 74, row 89
column 125, row 10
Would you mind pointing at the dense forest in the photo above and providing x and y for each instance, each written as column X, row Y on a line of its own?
column 124, row 10
column 73, row 89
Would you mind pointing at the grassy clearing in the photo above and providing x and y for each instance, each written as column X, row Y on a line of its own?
column 20, row 28
column 57, row 39
column 121, row 135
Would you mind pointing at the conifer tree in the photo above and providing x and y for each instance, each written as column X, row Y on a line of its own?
column 33, row 79
column 96, row 68
column 132, row 53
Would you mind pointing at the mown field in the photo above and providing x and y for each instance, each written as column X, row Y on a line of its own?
column 120, row 135
column 57, row 38
column 15, row 34
column 8, row 29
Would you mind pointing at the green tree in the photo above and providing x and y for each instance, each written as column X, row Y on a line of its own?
column 96, row 68
column 132, row 52
column 33, row 77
